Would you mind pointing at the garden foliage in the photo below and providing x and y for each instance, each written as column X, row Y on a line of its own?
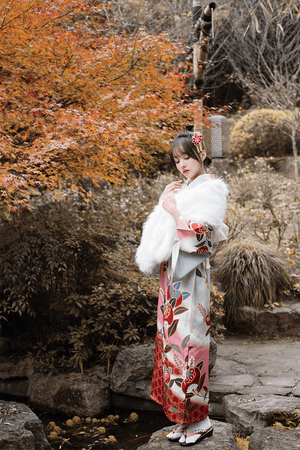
column 263, row 203
column 262, row 132
column 84, row 103
column 263, row 214
column 80, row 98
column 69, row 286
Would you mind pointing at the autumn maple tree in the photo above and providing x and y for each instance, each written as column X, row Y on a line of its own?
column 78, row 99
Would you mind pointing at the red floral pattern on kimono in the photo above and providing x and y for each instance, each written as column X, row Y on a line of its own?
column 180, row 378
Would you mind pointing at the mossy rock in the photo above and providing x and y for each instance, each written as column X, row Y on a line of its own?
column 262, row 132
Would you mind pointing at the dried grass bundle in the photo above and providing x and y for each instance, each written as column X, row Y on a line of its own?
column 250, row 275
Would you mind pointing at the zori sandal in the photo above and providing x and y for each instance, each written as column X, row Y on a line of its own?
column 196, row 436
column 177, row 432
column 196, row 432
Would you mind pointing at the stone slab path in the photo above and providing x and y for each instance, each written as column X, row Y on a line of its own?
column 222, row 438
column 251, row 365
column 252, row 377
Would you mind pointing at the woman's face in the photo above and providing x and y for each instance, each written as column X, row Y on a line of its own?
column 188, row 166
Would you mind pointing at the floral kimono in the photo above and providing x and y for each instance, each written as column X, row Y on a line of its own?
column 180, row 378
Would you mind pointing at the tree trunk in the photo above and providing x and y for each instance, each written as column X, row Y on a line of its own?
column 197, row 11
column 201, row 31
column 202, row 28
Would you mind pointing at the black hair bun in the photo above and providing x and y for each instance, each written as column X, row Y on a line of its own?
column 207, row 161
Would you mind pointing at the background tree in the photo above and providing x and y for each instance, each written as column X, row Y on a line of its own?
column 257, row 45
column 87, row 93
column 170, row 16
column 79, row 99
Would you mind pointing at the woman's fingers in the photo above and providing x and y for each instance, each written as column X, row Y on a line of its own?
column 169, row 201
column 171, row 188
column 175, row 185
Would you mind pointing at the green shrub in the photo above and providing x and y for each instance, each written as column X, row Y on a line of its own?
column 55, row 258
column 262, row 203
column 93, row 327
column 261, row 132
column 51, row 251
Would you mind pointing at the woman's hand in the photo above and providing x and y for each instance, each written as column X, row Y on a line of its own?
column 171, row 188
column 168, row 201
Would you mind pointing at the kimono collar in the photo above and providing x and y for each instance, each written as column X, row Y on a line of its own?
column 199, row 179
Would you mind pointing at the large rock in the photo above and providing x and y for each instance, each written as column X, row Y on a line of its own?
column 229, row 384
column 21, row 369
column 14, row 376
column 250, row 413
column 254, row 366
column 222, row 438
column 271, row 439
column 284, row 320
column 296, row 391
column 20, row 428
column 132, row 371
column 73, row 394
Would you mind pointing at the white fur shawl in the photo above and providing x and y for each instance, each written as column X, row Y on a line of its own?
column 201, row 201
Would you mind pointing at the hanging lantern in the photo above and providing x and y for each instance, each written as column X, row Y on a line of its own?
column 217, row 137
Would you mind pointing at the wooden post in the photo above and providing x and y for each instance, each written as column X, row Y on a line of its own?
column 202, row 24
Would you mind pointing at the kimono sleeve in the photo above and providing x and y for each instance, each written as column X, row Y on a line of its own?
column 194, row 237
column 194, row 247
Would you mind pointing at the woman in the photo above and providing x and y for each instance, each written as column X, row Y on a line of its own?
column 177, row 241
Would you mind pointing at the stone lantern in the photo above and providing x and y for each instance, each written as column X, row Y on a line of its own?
column 217, row 137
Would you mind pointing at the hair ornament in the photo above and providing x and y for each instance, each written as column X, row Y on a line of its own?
column 197, row 141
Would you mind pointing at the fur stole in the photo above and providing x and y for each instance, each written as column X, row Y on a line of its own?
column 202, row 201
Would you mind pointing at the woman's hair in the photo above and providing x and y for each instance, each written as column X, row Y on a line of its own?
column 184, row 142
